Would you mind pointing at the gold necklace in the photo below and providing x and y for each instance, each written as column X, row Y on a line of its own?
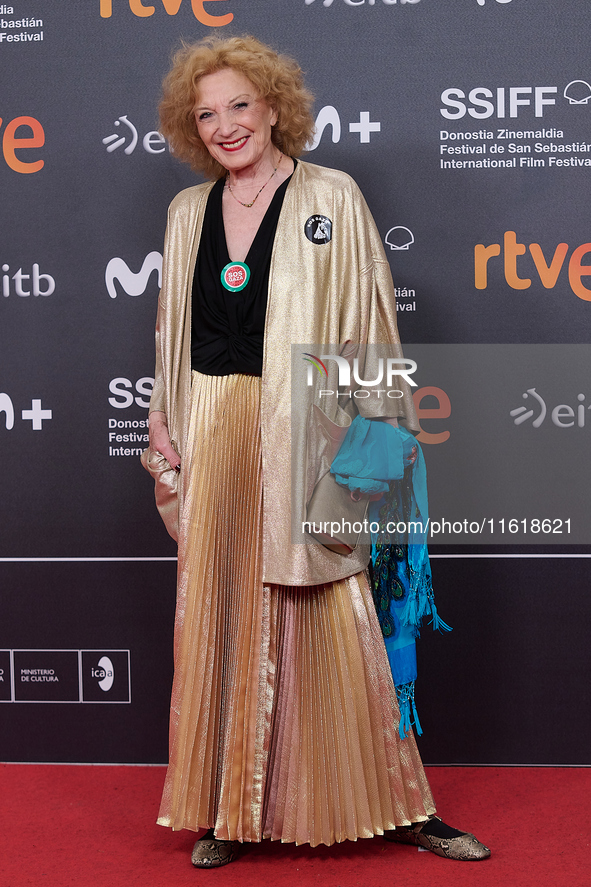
column 248, row 205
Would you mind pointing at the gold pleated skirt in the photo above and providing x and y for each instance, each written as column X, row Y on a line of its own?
column 284, row 722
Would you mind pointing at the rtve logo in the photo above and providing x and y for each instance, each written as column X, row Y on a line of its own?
column 548, row 269
column 438, row 407
column 134, row 284
column 11, row 143
column 144, row 10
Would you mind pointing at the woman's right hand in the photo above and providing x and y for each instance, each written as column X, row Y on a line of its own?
column 160, row 439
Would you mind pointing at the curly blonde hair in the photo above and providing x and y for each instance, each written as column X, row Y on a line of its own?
column 277, row 78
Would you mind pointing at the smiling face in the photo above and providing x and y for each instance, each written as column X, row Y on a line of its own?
column 233, row 123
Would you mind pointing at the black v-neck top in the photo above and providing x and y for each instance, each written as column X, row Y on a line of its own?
column 227, row 328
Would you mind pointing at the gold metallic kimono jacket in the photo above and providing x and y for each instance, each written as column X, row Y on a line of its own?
column 325, row 292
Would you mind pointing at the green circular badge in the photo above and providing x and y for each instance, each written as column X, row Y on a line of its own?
column 235, row 276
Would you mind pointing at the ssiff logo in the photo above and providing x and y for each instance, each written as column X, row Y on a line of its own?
column 123, row 389
column 482, row 102
column 482, row 2
column 145, row 10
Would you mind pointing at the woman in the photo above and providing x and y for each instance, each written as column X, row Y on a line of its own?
column 284, row 722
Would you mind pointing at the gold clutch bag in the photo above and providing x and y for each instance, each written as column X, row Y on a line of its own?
column 166, row 481
column 331, row 510
column 333, row 515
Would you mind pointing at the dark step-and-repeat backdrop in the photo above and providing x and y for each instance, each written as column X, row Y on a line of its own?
column 467, row 124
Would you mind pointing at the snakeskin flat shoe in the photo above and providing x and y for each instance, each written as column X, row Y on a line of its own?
column 466, row 847
column 210, row 853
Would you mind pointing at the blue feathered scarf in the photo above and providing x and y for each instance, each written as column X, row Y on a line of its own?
column 377, row 458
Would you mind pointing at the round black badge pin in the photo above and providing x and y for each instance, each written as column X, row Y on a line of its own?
column 318, row 229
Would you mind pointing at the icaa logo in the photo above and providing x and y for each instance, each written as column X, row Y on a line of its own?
column 104, row 673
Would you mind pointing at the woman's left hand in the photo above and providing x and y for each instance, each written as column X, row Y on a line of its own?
column 160, row 439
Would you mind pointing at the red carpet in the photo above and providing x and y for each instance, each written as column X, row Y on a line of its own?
column 80, row 826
